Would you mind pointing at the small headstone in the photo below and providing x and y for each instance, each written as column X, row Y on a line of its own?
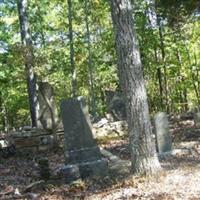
column 82, row 155
column 163, row 137
column 44, row 168
column 116, row 105
column 197, row 119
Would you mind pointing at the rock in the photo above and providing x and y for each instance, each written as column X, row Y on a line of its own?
column 27, row 128
column 110, row 129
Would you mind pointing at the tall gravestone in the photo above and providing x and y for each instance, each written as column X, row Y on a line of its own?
column 46, row 108
column 82, row 155
column 163, row 137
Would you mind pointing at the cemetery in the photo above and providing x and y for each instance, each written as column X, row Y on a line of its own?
column 74, row 155
column 99, row 100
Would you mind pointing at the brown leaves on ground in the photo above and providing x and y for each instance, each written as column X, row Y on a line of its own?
column 179, row 180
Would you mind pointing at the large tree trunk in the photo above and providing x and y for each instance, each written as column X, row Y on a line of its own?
column 28, row 58
column 71, row 40
column 144, row 158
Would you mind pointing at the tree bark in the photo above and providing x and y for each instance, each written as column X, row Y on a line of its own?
column 92, row 101
column 28, row 58
column 159, row 76
column 162, row 47
column 71, row 41
column 183, row 99
column 143, row 152
column 192, row 74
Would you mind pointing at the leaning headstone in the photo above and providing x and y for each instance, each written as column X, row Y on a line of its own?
column 82, row 155
column 163, row 137
column 197, row 119
column 46, row 109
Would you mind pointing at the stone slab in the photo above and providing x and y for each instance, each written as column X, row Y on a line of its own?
column 84, row 170
column 78, row 132
column 26, row 142
column 82, row 155
column 163, row 136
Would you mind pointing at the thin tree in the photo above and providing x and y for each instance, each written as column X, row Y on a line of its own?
column 90, row 63
column 71, row 41
column 155, row 23
column 143, row 153
column 28, row 58
column 162, row 48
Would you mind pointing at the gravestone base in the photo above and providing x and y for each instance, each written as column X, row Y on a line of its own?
column 97, row 168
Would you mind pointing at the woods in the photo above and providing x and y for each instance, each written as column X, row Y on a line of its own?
column 129, row 61
column 72, row 46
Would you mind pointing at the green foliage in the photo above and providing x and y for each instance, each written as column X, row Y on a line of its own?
column 179, row 21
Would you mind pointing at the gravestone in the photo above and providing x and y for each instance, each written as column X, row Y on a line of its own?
column 163, row 137
column 116, row 104
column 197, row 119
column 82, row 155
column 46, row 109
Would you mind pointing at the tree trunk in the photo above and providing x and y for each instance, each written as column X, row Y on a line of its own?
column 5, row 119
column 184, row 101
column 143, row 153
column 197, row 70
column 92, row 101
column 197, row 92
column 159, row 76
column 3, row 110
column 71, row 40
column 28, row 58
column 162, row 47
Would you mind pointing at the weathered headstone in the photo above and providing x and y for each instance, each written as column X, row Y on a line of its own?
column 116, row 105
column 46, row 109
column 197, row 119
column 82, row 155
column 163, row 137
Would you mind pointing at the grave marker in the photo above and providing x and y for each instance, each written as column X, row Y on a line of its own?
column 163, row 137
column 82, row 155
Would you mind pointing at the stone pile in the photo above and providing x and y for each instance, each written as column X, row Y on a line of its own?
column 105, row 128
column 34, row 139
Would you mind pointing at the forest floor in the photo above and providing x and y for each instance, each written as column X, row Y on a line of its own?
column 180, row 178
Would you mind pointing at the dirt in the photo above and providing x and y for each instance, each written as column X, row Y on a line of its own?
column 179, row 180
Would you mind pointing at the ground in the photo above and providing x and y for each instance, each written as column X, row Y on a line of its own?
column 180, row 178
